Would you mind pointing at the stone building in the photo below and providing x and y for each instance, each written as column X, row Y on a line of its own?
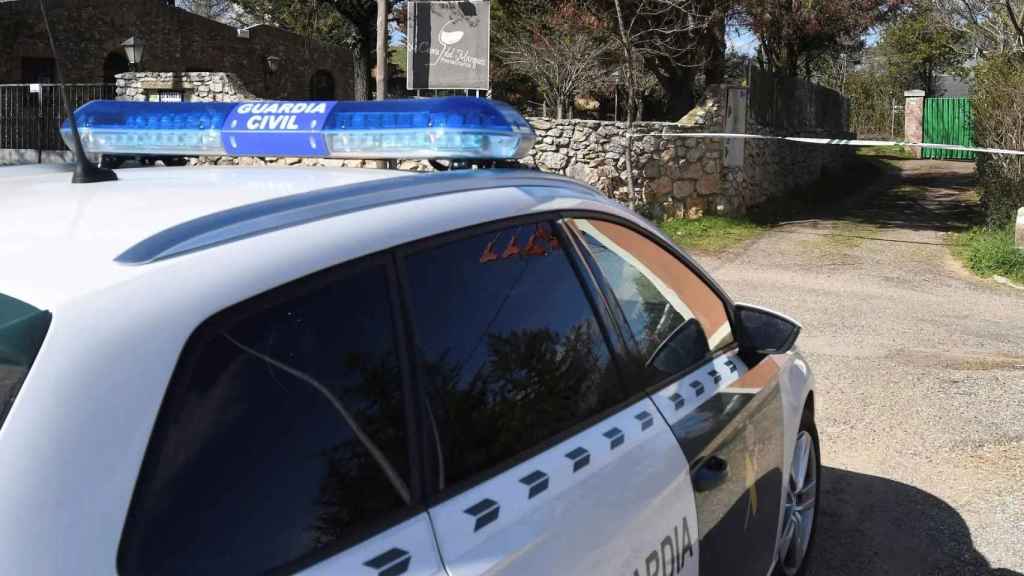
column 270, row 62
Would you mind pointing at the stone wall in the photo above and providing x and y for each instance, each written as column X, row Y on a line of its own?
column 89, row 33
column 673, row 176
column 676, row 175
column 192, row 87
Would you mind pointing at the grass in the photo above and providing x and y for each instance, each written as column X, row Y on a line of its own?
column 895, row 152
column 991, row 251
column 711, row 233
column 717, row 233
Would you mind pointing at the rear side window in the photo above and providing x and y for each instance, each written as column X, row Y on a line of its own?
column 22, row 329
column 282, row 437
column 510, row 349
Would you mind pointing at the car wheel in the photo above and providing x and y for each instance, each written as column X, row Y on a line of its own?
column 801, row 511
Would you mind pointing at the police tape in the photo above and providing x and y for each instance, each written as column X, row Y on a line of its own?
column 839, row 142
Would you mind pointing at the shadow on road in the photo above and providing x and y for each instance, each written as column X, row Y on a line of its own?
column 873, row 526
column 916, row 195
column 937, row 196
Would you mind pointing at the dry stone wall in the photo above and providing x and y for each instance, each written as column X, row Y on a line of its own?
column 672, row 175
column 677, row 171
column 192, row 86
column 772, row 168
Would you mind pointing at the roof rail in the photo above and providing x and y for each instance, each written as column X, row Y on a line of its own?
column 278, row 213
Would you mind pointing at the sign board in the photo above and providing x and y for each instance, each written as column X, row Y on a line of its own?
column 449, row 45
column 170, row 96
column 276, row 129
column 33, row 89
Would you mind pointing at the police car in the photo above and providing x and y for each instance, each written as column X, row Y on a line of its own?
column 233, row 370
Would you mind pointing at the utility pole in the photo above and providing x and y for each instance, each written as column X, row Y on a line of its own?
column 382, row 49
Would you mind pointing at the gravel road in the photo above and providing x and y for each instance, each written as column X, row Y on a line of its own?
column 920, row 372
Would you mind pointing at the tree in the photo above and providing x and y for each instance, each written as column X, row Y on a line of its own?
column 793, row 34
column 916, row 48
column 565, row 50
column 661, row 36
column 381, row 33
column 999, row 123
column 669, row 38
column 220, row 10
column 349, row 23
column 873, row 93
column 991, row 26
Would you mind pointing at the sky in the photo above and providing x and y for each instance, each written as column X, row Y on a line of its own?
column 741, row 40
column 744, row 41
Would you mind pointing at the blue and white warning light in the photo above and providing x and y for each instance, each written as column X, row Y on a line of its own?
column 432, row 128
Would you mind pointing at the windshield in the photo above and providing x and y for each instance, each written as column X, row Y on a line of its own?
column 22, row 328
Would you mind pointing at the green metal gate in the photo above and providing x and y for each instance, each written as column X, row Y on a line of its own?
column 948, row 121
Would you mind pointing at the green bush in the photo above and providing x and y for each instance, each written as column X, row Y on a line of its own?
column 999, row 123
column 872, row 95
column 988, row 251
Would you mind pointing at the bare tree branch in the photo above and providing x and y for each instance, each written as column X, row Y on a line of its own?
column 1014, row 22
column 561, row 52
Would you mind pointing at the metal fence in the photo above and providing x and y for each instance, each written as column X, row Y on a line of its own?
column 948, row 121
column 794, row 105
column 31, row 114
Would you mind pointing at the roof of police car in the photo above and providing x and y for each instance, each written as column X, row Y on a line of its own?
column 47, row 224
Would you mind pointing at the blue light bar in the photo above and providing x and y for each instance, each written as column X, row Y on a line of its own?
column 456, row 127
column 435, row 128
column 149, row 128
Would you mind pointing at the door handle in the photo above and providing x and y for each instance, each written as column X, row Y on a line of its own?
column 711, row 474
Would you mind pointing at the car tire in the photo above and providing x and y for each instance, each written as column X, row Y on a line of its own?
column 791, row 561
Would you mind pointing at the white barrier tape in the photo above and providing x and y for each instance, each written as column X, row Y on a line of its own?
column 839, row 142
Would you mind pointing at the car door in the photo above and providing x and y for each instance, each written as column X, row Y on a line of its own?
column 726, row 417
column 284, row 442
column 544, row 460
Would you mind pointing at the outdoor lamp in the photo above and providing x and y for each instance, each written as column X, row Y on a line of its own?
column 272, row 63
column 133, row 50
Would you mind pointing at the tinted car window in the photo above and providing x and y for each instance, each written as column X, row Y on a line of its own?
column 282, row 435
column 673, row 317
column 510, row 348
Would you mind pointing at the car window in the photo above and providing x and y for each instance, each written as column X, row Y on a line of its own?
column 511, row 351
column 672, row 316
column 22, row 329
column 282, row 435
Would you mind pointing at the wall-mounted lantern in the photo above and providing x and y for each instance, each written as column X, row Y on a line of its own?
column 133, row 51
column 273, row 62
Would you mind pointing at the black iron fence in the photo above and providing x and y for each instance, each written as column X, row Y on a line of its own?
column 31, row 114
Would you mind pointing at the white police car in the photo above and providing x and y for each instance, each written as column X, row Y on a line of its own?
column 252, row 370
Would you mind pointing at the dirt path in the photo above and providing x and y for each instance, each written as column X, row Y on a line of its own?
column 920, row 371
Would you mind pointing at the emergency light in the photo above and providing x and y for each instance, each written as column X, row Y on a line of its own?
column 431, row 128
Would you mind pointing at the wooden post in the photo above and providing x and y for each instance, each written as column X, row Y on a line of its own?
column 1019, row 235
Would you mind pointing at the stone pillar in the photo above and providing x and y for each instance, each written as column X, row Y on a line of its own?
column 1020, row 229
column 735, row 123
column 913, row 118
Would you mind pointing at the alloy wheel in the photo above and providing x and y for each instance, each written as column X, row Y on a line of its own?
column 801, row 499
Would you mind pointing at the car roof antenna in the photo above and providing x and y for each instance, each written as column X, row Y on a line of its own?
column 85, row 171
